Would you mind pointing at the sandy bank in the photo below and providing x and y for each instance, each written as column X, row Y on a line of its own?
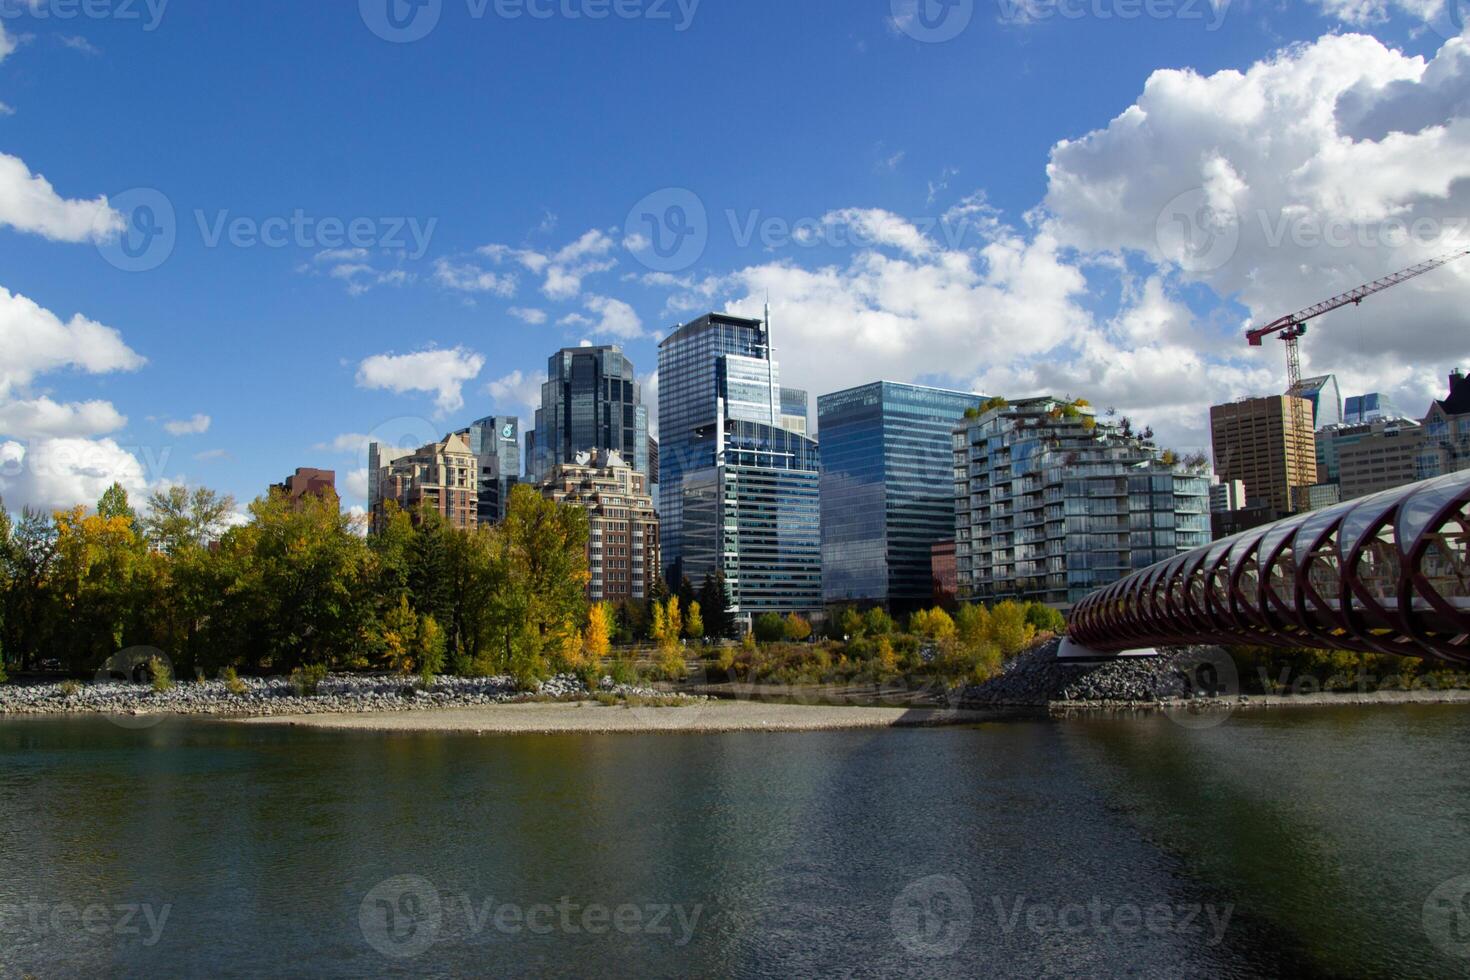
column 713, row 716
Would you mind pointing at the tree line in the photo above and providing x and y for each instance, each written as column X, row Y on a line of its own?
column 298, row 584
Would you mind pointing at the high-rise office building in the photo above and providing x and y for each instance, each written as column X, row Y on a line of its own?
column 1325, row 397
column 442, row 476
column 1372, row 407
column 496, row 443
column 738, row 491
column 886, row 494
column 622, row 547
column 590, row 401
column 1051, row 503
column 1256, row 442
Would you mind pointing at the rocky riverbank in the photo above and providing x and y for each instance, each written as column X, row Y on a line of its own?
column 1037, row 678
column 338, row 694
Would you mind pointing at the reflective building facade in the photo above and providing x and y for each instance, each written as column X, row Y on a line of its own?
column 496, row 443
column 590, row 402
column 1052, row 503
column 738, row 490
column 886, row 494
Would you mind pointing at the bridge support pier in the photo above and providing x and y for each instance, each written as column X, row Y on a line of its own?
column 1077, row 653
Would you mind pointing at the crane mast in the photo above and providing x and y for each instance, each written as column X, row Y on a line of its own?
column 1293, row 327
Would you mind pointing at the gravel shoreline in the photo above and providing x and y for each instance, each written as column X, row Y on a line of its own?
column 338, row 694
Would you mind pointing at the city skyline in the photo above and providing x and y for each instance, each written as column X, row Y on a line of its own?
column 207, row 306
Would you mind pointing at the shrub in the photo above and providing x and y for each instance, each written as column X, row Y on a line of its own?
column 70, row 688
column 623, row 672
column 879, row 623
column 769, row 628
column 3, row 676
column 233, row 684
column 1009, row 629
column 163, row 676
column 796, row 629
column 1045, row 619
column 307, row 680
column 671, row 666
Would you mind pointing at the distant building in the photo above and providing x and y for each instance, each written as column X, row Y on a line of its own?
column 886, row 489
column 1363, row 459
column 1323, row 495
column 1372, row 407
column 944, row 572
column 796, row 410
column 1255, row 442
column 1051, row 504
column 590, row 401
column 623, row 548
column 1227, row 495
column 738, row 490
column 442, row 476
column 1325, row 397
column 1446, row 446
column 653, row 463
column 496, row 443
column 306, row 481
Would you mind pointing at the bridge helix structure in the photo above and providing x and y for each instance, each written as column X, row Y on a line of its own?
column 1381, row 574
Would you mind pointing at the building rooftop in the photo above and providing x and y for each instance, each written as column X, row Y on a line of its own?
column 1458, row 402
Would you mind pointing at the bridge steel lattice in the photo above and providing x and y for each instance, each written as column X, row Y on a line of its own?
column 1382, row 574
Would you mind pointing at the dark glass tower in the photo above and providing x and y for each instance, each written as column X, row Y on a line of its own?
column 738, row 489
column 887, row 497
column 590, row 401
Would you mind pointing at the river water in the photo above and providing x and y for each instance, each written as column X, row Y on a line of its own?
column 1309, row 843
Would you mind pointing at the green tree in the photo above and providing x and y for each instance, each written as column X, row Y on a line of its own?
column 180, row 518
column 714, row 603
column 543, row 545
column 769, row 628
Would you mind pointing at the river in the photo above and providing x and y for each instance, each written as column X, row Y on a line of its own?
column 1303, row 842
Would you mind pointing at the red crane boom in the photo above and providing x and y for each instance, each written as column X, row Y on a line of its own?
column 1292, row 328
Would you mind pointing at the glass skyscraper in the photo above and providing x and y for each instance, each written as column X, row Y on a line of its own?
column 590, row 401
column 496, row 443
column 738, row 490
column 886, row 494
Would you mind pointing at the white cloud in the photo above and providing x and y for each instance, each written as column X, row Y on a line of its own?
column 564, row 270
column 1299, row 175
column 1361, row 13
column 470, row 279
column 349, row 443
column 29, row 203
column 196, row 426
column 36, row 341
column 617, row 318
column 443, row 372
column 56, row 474
column 44, row 418
column 517, row 390
column 531, row 316
column 78, row 43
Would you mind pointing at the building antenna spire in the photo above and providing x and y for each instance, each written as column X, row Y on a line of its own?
column 771, row 368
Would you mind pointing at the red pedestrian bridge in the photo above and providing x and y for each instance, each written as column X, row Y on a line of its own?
column 1382, row 574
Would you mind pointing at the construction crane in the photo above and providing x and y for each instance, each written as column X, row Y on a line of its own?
column 1292, row 328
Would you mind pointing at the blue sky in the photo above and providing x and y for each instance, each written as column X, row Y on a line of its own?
column 497, row 172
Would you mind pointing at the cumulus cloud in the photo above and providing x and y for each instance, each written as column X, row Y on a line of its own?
column 562, row 271
column 471, row 279
column 616, row 318
column 531, row 316
column 443, row 372
column 42, row 418
column 517, row 390
column 1325, row 166
column 57, row 474
column 36, row 341
column 29, row 203
column 196, row 426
